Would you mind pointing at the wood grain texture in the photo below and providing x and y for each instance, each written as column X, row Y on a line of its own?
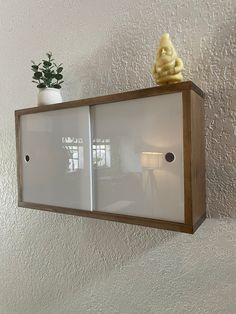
column 187, row 156
column 198, row 223
column 193, row 150
column 148, row 222
column 148, row 92
column 197, row 157
column 18, row 158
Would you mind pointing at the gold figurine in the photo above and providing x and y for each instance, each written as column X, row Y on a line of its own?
column 168, row 67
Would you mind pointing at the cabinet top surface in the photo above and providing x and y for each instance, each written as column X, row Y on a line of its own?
column 141, row 93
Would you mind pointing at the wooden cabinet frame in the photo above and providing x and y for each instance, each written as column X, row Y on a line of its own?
column 194, row 156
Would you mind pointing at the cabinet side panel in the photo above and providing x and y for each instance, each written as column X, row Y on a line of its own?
column 18, row 157
column 187, row 156
column 198, row 157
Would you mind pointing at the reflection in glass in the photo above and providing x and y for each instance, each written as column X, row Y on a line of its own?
column 139, row 181
column 151, row 160
column 101, row 153
column 75, row 153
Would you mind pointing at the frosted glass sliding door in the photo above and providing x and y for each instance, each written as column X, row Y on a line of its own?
column 56, row 161
column 133, row 172
column 122, row 157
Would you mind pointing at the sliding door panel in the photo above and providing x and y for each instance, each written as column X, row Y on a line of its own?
column 55, row 158
column 137, row 148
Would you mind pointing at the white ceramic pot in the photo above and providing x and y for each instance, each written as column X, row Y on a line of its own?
column 49, row 96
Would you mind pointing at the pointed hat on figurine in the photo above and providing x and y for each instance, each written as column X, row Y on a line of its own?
column 165, row 43
column 165, row 40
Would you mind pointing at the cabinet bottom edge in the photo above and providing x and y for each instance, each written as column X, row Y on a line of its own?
column 141, row 221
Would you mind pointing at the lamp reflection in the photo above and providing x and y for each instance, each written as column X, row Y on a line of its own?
column 151, row 161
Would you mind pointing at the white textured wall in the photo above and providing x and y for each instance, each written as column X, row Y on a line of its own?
column 51, row 263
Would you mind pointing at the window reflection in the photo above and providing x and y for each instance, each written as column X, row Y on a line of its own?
column 101, row 153
column 75, row 153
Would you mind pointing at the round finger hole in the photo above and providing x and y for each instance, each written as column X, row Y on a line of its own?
column 169, row 157
column 27, row 158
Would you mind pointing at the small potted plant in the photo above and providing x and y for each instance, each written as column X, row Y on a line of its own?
column 48, row 77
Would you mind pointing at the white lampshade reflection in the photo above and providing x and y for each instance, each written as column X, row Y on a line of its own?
column 151, row 160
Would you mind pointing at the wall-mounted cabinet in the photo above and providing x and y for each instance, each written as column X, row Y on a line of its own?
column 135, row 157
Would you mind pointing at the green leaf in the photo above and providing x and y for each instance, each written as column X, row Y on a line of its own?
column 46, row 70
column 47, row 82
column 58, row 76
column 58, row 86
column 49, row 75
column 46, row 63
column 34, row 68
column 49, row 54
column 37, row 75
column 41, row 85
column 59, row 70
column 44, row 79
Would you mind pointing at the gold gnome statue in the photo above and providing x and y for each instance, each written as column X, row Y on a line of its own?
column 168, row 67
